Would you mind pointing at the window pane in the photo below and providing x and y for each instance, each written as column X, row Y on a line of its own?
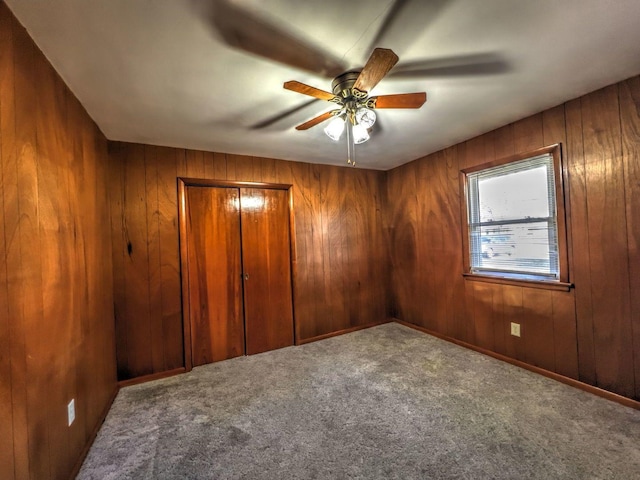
column 522, row 247
column 512, row 219
column 522, row 194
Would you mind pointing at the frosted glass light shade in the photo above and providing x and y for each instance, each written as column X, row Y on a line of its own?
column 360, row 134
column 365, row 117
column 335, row 128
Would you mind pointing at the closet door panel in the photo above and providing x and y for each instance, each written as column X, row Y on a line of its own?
column 267, row 269
column 215, row 282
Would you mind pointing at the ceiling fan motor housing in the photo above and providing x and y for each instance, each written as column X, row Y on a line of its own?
column 342, row 86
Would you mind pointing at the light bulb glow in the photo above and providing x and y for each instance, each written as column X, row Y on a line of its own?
column 360, row 134
column 365, row 117
column 335, row 128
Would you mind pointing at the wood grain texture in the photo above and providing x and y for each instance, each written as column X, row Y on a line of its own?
column 580, row 246
column 30, row 294
column 305, row 89
column 195, row 163
column 57, row 340
column 609, row 260
column 426, row 233
column 338, row 235
column 266, row 261
column 378, row 65
column 513, row 311
column 169, row 264
column 452, row 232
column 136, row 261
column 310, row 297
column 588, row 333
column 331, row 201
column 630, row 119
column 401, row 221
column 303, row 295
column 401, row 100
column 214, row 271
column 243, row 167
column 352, row 240
column 13, row 418
column 565, row 334
column 209, row 164
column 377, row 247
column 316, row 120
column 236, row 264
column 58, row 264
column 119, row 251
column 153, row 249
column 537, row 319
column 219, row 166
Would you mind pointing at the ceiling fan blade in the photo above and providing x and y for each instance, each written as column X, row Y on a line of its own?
column 405, row 20
column 315, row 121
column 401, row 100
column 305, row 89
column 282, row 115
column 241, row 29
column 460, row 65
column 380, row 62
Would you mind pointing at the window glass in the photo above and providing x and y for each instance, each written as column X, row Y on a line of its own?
column 512, row 219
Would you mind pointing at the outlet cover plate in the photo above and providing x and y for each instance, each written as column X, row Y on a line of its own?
column 515, row 329
column 71, row 411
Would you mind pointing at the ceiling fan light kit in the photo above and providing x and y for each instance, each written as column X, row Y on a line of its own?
column 360, row 134
column 365, row 117
column 351, row 92
column 335, row 128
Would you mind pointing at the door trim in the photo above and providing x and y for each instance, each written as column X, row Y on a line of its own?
column 183, row 183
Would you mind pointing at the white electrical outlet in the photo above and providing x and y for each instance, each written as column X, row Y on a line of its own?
column 71, row 411
column 515, row 329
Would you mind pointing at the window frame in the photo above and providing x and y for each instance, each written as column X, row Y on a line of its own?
column 561, row 212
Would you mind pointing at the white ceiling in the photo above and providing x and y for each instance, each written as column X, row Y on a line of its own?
column 158, row 71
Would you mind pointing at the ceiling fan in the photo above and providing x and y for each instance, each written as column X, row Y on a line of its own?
column 241, row 28
column 356, row 107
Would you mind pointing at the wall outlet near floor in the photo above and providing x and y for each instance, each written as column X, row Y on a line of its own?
column 515, row 329
column 71, row 411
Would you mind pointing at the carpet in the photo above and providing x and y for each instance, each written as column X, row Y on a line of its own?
column 382, row 403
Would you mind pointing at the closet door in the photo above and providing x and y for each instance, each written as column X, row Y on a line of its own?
column 266, row 250
column 215, row 282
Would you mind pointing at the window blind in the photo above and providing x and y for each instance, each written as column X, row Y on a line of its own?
column 512, row 219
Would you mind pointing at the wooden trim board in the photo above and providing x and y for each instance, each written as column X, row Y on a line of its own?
column 151, row 377
column 344, row 331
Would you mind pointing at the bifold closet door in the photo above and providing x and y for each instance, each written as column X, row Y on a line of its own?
column 215, row 269
column 238, row 250
column 266, row 257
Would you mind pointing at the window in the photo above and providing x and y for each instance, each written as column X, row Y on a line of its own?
column 514, row 212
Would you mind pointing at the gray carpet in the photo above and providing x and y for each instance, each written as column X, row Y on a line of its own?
column 382, row 403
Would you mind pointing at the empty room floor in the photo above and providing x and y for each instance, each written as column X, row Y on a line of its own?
column 386, row 402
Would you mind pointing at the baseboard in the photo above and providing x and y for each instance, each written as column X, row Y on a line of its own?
column 150, row 377
column 344, row 331
column 93, row 435
column 626, row 401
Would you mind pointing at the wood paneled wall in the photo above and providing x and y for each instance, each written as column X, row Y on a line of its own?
column 341, row 264
column 57, row 339
column 591, row 333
